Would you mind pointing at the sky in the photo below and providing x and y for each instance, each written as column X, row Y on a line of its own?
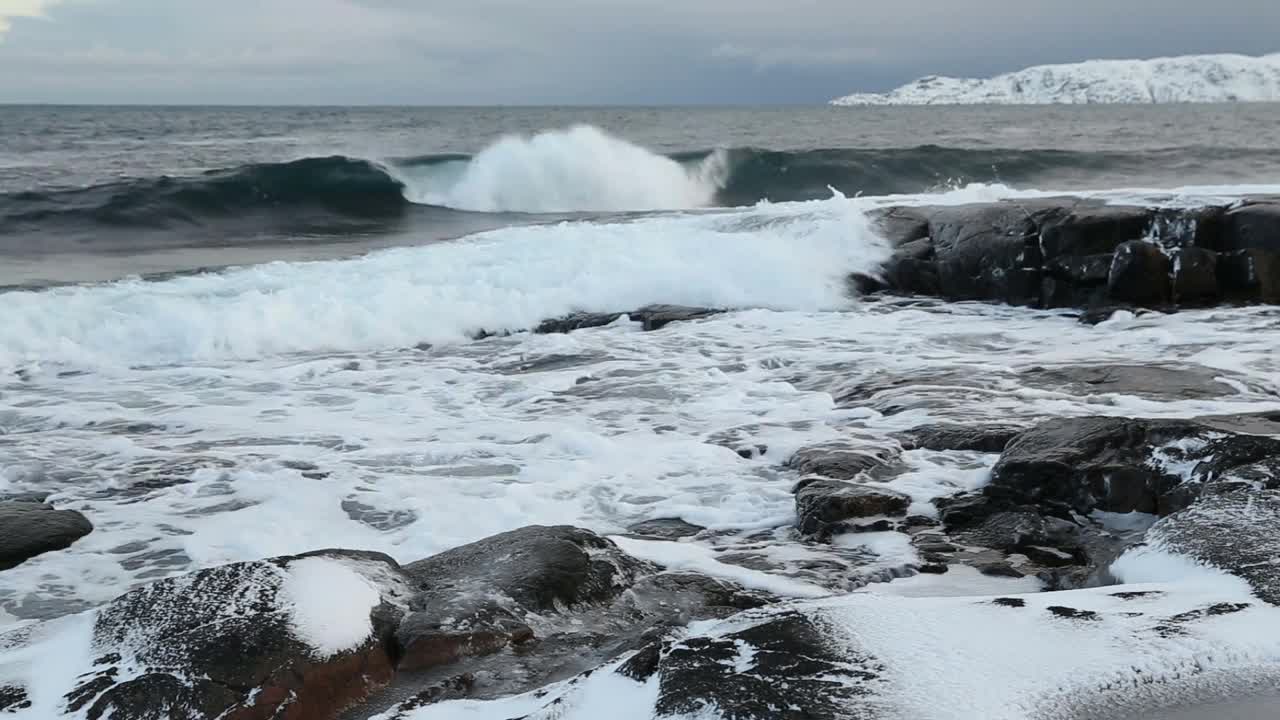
column 466, row 52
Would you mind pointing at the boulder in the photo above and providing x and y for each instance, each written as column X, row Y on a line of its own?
column 290, row 638
column 781, row 667
column 1118, row 464
column 28, row 529
column 1140, row 274
column 474, row 599
column 665, row 529
column 821, row 503
column 949, row 436
column 842, row 460
column 1252, row 226
column 1195, row 275
column 1249, row 275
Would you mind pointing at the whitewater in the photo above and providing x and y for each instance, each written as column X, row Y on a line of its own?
column 397, row 401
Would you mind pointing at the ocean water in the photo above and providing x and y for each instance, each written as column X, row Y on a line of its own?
column 234, row 333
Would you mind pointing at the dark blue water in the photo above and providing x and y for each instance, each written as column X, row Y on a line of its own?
column 91, row 193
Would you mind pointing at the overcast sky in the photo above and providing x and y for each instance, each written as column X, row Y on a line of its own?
column 574, row 51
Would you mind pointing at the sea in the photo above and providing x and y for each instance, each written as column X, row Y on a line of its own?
column 230, row 333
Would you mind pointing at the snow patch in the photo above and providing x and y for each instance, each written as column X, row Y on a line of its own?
column 1186, row 79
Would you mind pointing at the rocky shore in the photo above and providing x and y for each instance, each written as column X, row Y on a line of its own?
column 346, row 633
column 1126, row 560
column 1084, row 253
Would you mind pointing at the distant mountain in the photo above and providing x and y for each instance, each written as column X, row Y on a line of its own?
column 1187, row 79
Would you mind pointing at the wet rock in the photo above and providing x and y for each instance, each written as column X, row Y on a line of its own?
column 842, row 460
column 973, row 438
column 1250, row 276
column 378, row 519
column 13, row 698
column 964, row 509
column 1140, row 274
column 1195, row 276
column 665, row 529
column 1154, row 381
column 238, row 641
column 28, row 529
column 784, row 667
column 999, row 569
column 1252, row 226
column 542, row 605
column 473, row 599
column 823, row 502
column 1234, row 531
column 1013, row 531
column 650, row 317
column 1118, row 464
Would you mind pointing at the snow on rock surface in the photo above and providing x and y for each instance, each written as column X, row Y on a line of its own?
column 1186, row 79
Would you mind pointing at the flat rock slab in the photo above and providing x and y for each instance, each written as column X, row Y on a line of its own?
column 1151, row 381
column 953, row 437
column 28, row 529
column 1235, row 531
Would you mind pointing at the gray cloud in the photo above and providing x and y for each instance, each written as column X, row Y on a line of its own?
column 574, row 51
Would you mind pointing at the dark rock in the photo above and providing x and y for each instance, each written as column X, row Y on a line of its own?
column 1072, row 613
column 665, row 529
column 29, row 529
column 1134, row 595
column 1009, row 602
column 1013, row 531
column 965, row 509
column 975, row 438
column 1195, row 275
column 651, row 317
column 1140, row 274
column 1088, row 270
column 1252, row 226
column 1050, row 557
column 13, row 698
column 795, row 672
column 1117, row 464
column 1089, row 229
column 1250, row 275
column 823, row 502
column 934, row 568
column 841, row 460
column 222, row 642
column 472, row 599
column 999, row 569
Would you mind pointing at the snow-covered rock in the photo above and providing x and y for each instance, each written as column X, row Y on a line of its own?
column 1187, row 79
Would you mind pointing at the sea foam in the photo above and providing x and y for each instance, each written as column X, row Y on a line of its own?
column 581, row 169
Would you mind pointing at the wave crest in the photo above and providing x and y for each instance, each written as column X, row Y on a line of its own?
column 582, row 169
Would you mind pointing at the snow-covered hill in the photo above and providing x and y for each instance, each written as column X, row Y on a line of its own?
column 1191, row 79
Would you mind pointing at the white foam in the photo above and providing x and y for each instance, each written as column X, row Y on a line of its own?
column 578, row 169
column 786, row 257
column 329, row 605
column 688, row 557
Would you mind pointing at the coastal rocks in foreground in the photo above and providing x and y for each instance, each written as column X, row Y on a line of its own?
column 28, row 529
column 1077, row 252
column 291, row 638
column 309, row 637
